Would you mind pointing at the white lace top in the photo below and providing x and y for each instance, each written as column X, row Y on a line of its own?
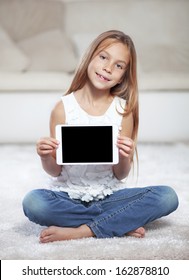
column 89, row 182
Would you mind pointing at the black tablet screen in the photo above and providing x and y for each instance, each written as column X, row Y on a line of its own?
column 90, row 144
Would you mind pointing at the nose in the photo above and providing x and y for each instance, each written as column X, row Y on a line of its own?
column 107, row 68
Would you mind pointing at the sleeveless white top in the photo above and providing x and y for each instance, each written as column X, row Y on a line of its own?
column 89, row 182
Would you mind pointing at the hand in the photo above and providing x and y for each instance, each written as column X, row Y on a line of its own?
column 46, row 147
column 126, row 146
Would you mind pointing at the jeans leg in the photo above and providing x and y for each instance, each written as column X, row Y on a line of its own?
column 46, row 207
column 128, row 209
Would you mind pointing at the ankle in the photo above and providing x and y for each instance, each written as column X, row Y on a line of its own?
column 85, row 231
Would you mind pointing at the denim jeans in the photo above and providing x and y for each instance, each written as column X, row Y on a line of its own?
column 117, row 214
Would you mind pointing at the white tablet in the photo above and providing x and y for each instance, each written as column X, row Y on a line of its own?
column 87, row 144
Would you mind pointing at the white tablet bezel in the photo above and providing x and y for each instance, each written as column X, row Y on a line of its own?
column 59, row 154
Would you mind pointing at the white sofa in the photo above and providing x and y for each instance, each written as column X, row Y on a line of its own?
column 41, row 42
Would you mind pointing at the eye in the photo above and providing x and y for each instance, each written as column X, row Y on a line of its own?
column 119, row 66
column 102, row 56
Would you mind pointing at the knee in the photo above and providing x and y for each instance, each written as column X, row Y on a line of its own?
column 32, row 204
column 167, row 199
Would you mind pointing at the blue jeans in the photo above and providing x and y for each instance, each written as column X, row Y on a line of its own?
column 117, row 214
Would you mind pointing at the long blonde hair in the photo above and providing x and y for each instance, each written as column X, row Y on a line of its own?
column 128, row 88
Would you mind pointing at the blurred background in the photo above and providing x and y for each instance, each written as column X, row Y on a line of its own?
column 41, row 42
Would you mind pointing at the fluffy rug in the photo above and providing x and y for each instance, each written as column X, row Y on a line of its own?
column 166, row 238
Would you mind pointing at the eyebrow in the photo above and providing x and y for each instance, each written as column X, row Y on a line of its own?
column 119, row 60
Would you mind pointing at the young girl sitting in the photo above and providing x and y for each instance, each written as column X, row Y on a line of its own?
column 92, row 200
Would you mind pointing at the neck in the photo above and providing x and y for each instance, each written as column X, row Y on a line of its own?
column 93, row 94
column 95, row 102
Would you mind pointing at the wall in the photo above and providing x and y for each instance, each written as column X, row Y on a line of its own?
column 24, row 117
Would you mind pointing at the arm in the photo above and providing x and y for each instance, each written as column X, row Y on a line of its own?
column 46, row 147
column 126, row 148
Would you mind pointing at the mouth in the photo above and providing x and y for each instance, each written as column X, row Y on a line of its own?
column 102, row 78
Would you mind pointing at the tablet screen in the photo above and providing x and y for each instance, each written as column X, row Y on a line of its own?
column 86, row 144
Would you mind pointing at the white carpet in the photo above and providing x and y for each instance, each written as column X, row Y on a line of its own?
column 167, row 238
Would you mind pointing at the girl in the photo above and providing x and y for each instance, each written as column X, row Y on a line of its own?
column 91, row 200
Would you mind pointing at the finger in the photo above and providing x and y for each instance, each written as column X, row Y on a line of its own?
column 123, row 153
column 45, row 150
column 46, row 147
column 53, row 140
column 126, row 143
column 124, row 147
column 44, row 153
column 48, row 139
column 43, row 143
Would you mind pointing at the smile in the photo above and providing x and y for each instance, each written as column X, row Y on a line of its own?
column 103, row 78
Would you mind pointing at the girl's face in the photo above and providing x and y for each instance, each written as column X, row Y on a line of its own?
column 107, row 68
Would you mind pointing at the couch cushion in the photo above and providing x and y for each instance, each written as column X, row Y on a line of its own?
column 161, row 80
column 34, row 81
column 163, row 67
column 50, row 51
column 26, row 18
column 11, row 57
column 164, row 57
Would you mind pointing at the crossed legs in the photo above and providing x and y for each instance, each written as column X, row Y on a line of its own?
column 122, row 213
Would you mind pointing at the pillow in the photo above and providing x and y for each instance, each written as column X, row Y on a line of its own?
column 50, row 51
column 166, row 58
column 11, row 57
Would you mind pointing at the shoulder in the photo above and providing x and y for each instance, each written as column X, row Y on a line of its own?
column 120, row 100
column 57, row 116
column 120, row 104
column 57, row 112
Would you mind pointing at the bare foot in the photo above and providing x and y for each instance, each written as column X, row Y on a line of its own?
column 139, row 232
column 54, row 233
